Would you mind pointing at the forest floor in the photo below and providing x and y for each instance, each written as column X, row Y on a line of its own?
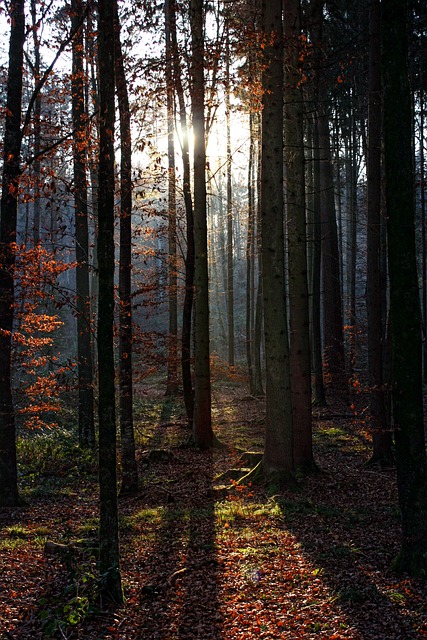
column 312, row 560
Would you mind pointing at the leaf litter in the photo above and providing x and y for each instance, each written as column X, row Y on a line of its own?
column 312, row 560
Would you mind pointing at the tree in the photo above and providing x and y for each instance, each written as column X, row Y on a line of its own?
column 381, row 436
column 405, row 313
column 278, row 453
column 230, row 256
column 172, row 379
column 187, row 308
column 84, row 346
column 9, row 210
column 127, row 435
column 109, row 555
column 202, row 420
column 297, row 240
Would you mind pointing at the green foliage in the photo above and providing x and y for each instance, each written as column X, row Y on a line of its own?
column 78, row 600
column 46, row 458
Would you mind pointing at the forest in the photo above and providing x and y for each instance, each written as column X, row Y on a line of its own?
column 213, row 320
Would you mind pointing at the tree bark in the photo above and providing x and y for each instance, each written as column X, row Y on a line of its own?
column 297, row 242
column 127, row 435
column 278, row 453
column 381, row 434
column 9, row 210
column 109, row 554
column 187, row 309
column 405, row 310
column 202, row 420
column 172, row 375
column 84, row 346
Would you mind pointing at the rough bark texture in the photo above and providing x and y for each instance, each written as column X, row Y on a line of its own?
column 202, row 422
column 278, row 458
column 297, row 241
column 127, row 436
column 381, row 435
column 404, row 296
column 109, row 555
column 84, row 346
column 9, row 209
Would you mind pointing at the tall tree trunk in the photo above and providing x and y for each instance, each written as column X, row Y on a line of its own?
column 259, row 315
column 84, row 346
column 202, row 419
column 230, row 257
column 172, row 375
column 333, row 336
column 8, row 220
column 404, row 295
column 250, row 260
column 278, row 453
column 36, row 126
column 381, row 435
column 127, row 435
column 297, row 242
column 318, row 387
column 187, row 309
column 109, row 554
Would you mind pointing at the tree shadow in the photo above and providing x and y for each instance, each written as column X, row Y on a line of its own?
column 349, row 542
column 179, row 597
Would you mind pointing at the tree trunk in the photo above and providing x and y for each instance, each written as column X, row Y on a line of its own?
column 250, row 260
column 187, row 309
column 127, row 435
column 84, row 346
column 404, row 295
column 318, row 387
column 172, row 375
column 9, row 210
column 278, row 453
column 202, row 420
column 381, row 435
column 230, row 269
column 297, row 242
column 109, row 555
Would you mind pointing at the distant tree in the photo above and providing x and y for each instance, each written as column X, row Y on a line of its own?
column 405, row 312
column 109, row 554
column 202, row 419
column 9, row 210
column 278, row 453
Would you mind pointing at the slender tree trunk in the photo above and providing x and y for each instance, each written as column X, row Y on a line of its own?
column 404, row 295
column 333, row 345
column 297, row 242
column 9, row 210
column 259, row 315
column 36, row 126
column 109, row 554
column 250, row 259
column 84, row 346
column 127, row 435
column 172, row 376
column 230, row 266
column 381, row 435
column 318, row 387
column 187, row 309
column 278, row 454
column 202, row 420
